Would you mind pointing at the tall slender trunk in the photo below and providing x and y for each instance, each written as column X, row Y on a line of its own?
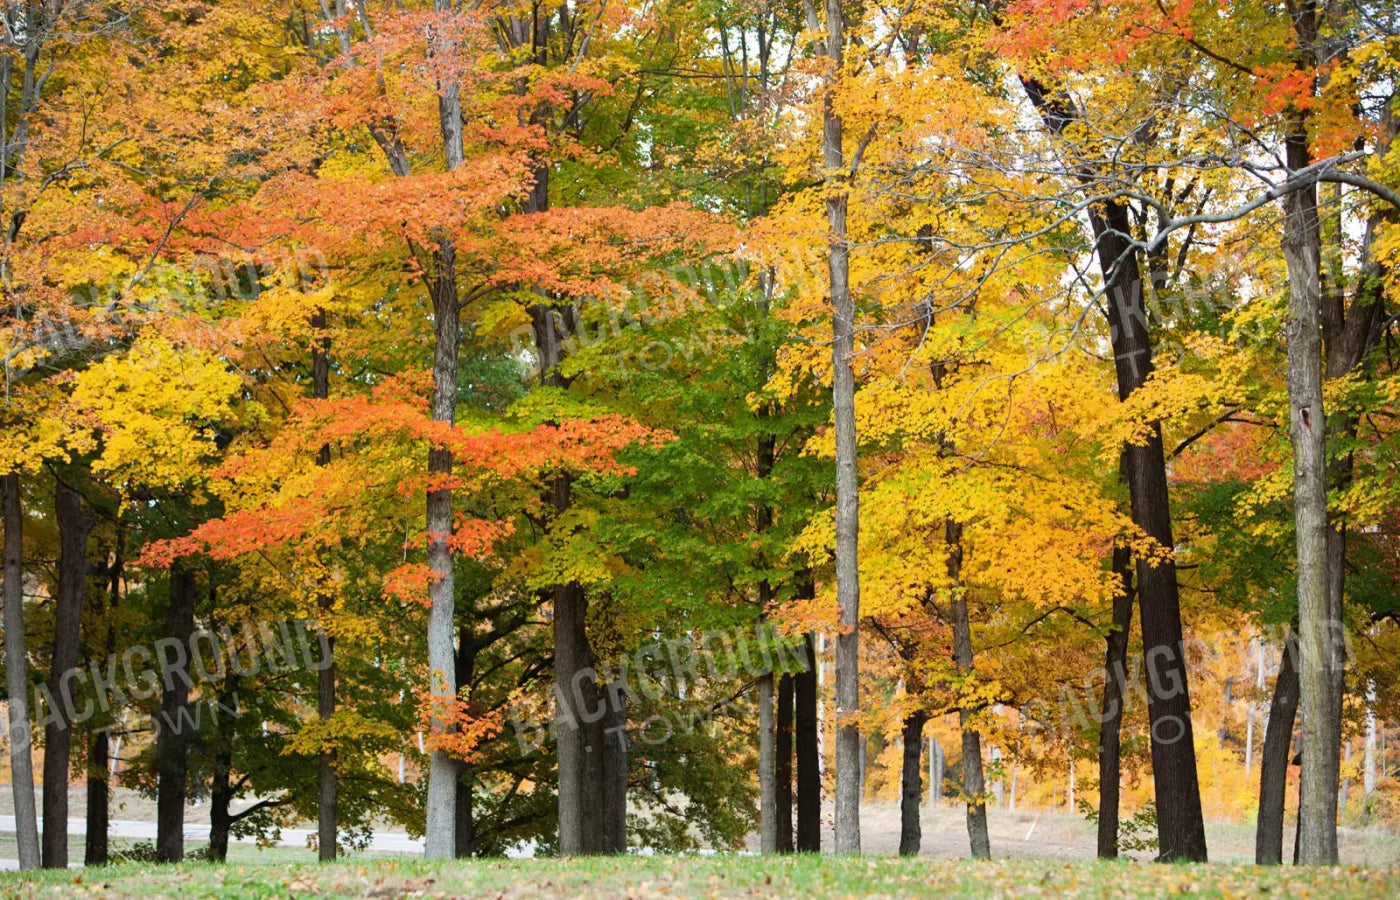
column 327, row 793
column 1180, row 823
column 935, row 773
column 809, row 776
column 579, row 732
column 782, row 768
column 1274, row 761
column 21, row 733
column 465, row 844
column 95, row 841
column 1319, row 637
column 220, row 801
column 769, row 839
column 1111, row 712
column 973, row 782
column 73, row 527
column 17, row 680
column 911, row 783
column 1345, row 789
column 221, row 787
column 843, row 393
column 767, row 764
column 1368, row 763
column 440, row 836
column 172, row 737
column 100, row 752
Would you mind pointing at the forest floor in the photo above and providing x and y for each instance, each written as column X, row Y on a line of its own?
column 710, row 876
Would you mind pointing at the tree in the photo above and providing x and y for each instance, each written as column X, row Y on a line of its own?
column 17, row 679
column 73, row 527
column 843, row 313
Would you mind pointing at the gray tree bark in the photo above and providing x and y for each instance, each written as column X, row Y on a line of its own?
column 17, row 680
column 847, row 498
column 440, row 836
column 767, row 762
column 1368, row 764
column 1319, row 625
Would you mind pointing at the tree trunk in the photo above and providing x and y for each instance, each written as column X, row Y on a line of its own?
column 614, row 807
column 172, row 737
column 911, row 784
column 1180, row 824
column 1318, row 628
column 17, row 681
column 594, row 768
column 767, row 763
column 440, row 835
column 465, row 846
column 573, row 686
column 1368, row 763
column 327, row 792
column 220, row 798
column 770, row 839
column 578, row 728
column 221, row 788
column 973, row 787
column 935, row 775
column 95, row 845
column 1111, row 712
column 847, row 499
column 73, row 527
column 101, row 753
column 809, row 776
column 782, row 768
column 442, row 772
column 1345, row 789
column 1274, row 761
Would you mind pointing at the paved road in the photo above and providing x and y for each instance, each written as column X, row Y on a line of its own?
column 384, row 841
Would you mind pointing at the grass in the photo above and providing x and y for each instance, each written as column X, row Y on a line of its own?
column 717, row 876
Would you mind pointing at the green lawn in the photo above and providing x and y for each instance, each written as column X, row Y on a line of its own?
column 724, row 876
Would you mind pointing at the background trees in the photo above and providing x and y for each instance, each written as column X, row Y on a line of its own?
column 511, row 347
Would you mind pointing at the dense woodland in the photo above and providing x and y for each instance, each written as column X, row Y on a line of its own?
column 604, row 425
